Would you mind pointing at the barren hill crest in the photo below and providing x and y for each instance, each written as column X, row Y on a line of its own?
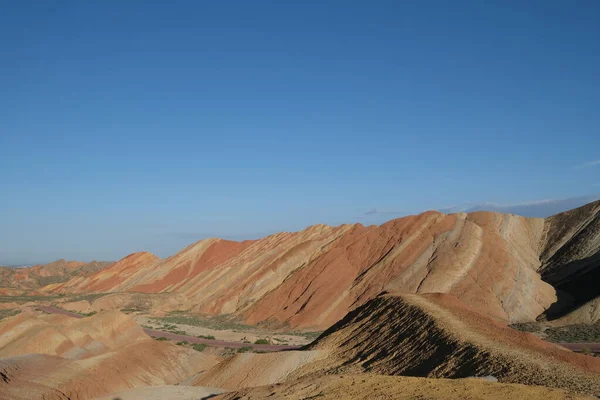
column 503, row 265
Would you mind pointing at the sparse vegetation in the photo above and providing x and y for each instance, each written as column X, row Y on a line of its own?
column 182, row 343
column 88, row 314
column 129, row 310
column 220, row 322
column 227, row 352
column 308, row 335
column 90, row 298
column 209, row 337
column 223, row 322
column 530, row 327
column 8, row 313
column 199, row 346
column 162, row 338
column 574, row 333
column 581, row 333
column 244, row 350
column 26, row 299
column 262, row 341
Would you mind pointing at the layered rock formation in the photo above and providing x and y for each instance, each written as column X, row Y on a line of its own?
column 431, row 335
column 57, row 357
column 312, row 278
column 108, row 279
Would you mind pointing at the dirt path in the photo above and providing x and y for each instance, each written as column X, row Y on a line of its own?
column 594, row 347
column 181, row 338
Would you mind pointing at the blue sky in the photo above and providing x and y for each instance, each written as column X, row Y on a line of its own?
column 129, row 126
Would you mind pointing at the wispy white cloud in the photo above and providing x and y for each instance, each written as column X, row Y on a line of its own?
column 375, row 211
column 536, row 208
column 196, row 236
column 589, row 164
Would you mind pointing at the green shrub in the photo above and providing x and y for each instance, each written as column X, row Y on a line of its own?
column 262, row 341
column 9, row 313
column 244, row 349
column 199, row 346
column 529, row 327
column 219, row 322
column 162, row 338
column 182, row 343
column 209, row 337
column 574, row 333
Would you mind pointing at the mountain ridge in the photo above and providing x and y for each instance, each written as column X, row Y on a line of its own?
column 309, row 279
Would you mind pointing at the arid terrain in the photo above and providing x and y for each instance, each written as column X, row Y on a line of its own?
column 415, row 308
column 40, row 275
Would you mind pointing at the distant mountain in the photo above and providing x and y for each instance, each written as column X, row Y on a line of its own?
column 37, row 276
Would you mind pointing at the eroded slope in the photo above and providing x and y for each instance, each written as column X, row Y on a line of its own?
column 367, row 386
column 571, row 257
column 51, row 357
column 312, row 278
column 438, row 336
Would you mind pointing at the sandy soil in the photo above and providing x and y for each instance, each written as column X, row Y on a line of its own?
column 250, row 369
column 166, row 392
